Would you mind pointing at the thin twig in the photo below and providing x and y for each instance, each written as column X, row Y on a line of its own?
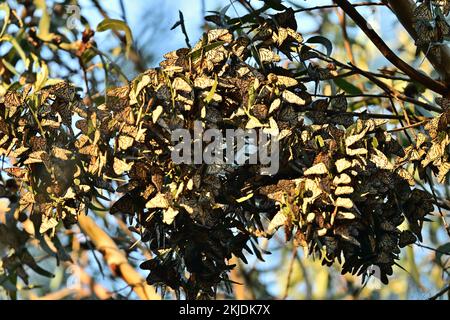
column 352, row 73
column 430, row 181
column 362, row 95
column 86, row 80
column 432, row 249
column 183, row 29
column 331, row 6
column 362, row 23
column 363, row 115
column 309, row 288
column 394, row 93
column 408, row 126
column 374, row 78
column 440, row 293
column 289, row 275
column 347, row 45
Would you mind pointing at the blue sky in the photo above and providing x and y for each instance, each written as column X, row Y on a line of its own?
column 164, row 13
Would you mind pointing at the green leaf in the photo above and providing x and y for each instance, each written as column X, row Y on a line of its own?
column 245, row 198
column 347, row 86
column 118, row 25
column 224, row 10
column 323, row 41
column 197, row 53
column 42, row 77
column 4, row 7
column 211, row 93
column 10, row 67
column 88, row 55
column 44, row 22
column 96, row 208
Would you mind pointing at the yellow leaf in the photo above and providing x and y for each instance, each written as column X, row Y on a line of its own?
column 157, row 113
column 121, row 166
column 158, row 201
column 114, row 24
column 169, row 215
column 319, row 168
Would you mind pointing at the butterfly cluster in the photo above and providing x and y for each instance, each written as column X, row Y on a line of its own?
column 338, row 194
column 431, row 25
column 350, row 200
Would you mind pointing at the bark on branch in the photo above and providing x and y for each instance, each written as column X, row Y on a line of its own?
column 116, row 259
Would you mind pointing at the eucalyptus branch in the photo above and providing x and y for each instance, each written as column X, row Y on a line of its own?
column 428, row 82
column 374, row 78
column 116, row 259
column 331, row 6
column 394, row 93
column 417, row 124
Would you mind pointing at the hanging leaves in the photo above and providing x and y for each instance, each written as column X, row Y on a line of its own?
column 117, row 25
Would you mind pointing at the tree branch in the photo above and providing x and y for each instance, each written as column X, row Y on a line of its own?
column 417, row 76
column 116, row 259
column 394, row 93
column 331, row 6
column 440, row 293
